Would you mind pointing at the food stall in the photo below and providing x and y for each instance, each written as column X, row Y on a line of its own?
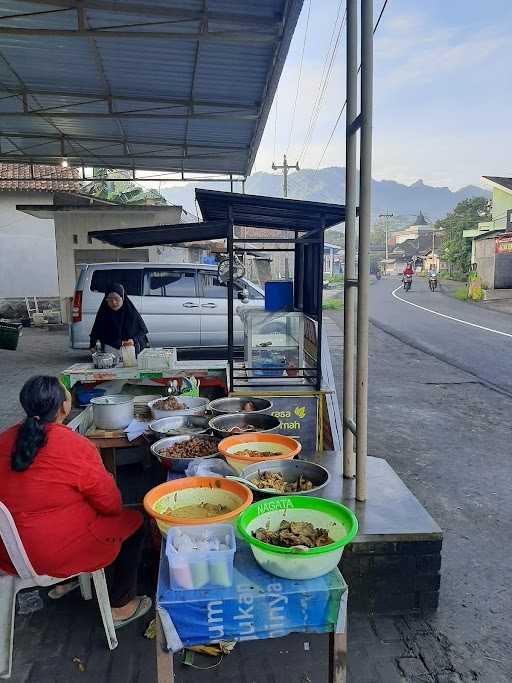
column 250, row 546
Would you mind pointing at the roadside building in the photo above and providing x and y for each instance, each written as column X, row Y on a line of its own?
column 493, row 260
column 74, row 215
column 501, row 213
column 28, row 261
column 414, row 231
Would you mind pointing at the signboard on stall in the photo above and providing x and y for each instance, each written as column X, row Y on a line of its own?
column 504, row 244
column 299, row 418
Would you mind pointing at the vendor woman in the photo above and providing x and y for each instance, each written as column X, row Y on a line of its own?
column 66, row 506
column 118, row 321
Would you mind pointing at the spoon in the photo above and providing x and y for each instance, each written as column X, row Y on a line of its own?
column 249, row 483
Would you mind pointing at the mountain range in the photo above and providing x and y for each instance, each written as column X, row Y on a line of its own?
column 328, row 185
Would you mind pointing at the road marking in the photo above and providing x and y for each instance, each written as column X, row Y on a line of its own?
column 449, row 317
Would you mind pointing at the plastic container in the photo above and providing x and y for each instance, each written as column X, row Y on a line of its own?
column 128, row 353
column 9, row 335
column 293, row 563
column 279, row 295
column 196, row 569
column 277, row 446
column 192, row 491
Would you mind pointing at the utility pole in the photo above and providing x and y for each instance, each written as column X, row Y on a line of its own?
column 285, row 168
column 386, row 216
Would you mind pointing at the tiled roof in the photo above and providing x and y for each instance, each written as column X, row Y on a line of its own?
column 21, row 178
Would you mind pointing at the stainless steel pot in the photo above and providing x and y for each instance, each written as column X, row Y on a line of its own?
column 228, row 406
column 112, row 412
column 222, row 425
column 290, row 471
column 104, row 361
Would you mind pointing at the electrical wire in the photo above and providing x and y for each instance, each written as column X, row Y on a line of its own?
column 299, row 78
column 345, row 103
column 324, row 80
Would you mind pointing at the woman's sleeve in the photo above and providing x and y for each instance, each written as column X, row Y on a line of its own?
column 97, row 485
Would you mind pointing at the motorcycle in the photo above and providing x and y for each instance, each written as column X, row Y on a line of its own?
column 407, row 280
column 432, row 282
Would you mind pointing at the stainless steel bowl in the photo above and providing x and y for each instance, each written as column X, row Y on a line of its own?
column 177, row 464
column 179, row 426
column 290, row 469
column 261, row 422
column 231, row 405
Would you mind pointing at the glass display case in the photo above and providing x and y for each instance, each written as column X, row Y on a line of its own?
column 274, row 343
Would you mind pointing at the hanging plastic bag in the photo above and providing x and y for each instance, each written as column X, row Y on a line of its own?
column 208, row 467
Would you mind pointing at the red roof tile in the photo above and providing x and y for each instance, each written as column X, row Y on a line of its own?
column 21, row 178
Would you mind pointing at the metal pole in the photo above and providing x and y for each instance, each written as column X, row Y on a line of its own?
column 285, row 177
column 350, row 241
column 364, row 243
column 231, row 358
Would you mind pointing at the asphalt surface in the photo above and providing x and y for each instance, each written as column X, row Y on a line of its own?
column 468, row 337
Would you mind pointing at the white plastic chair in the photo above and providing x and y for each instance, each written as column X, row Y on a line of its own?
column 27, row 578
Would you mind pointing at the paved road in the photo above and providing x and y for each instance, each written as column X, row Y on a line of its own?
column 467, row 336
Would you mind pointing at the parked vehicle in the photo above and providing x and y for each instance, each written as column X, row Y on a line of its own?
column 183, row 305
column 432, row 282
column 407, row 280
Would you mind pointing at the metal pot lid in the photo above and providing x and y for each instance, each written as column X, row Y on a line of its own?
column 114, row 400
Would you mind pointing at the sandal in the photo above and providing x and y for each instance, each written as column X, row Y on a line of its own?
column 145, row 604
column 55, row 594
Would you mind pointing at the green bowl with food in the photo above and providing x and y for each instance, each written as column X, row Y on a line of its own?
column 297, row 537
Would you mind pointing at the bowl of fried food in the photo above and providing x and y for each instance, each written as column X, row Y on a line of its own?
column 242, row 423
column 177, row 452
column 285, row 477
column 175, row 406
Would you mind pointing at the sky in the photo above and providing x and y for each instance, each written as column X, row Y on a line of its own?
column 442, row 97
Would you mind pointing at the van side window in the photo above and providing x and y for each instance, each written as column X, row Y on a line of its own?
column 213, row 288
column 130, row 278
column 170, row 283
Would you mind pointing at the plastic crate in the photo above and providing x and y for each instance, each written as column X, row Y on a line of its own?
column 201, row 569
column 9, row 335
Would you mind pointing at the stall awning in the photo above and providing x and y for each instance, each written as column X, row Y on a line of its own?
column 162, row 234
column 181, row 86
column 257, row 211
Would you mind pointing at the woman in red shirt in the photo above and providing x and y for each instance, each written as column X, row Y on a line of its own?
column 66, row 506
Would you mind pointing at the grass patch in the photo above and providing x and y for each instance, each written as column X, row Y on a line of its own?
column 461, row 293
column 332, row 305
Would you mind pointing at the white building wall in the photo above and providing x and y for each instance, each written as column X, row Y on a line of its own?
column 71, row 233
column 28, row 263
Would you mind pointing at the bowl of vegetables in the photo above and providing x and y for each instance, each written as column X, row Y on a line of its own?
column 245, row 449
column 282, row 477
column 297, row 537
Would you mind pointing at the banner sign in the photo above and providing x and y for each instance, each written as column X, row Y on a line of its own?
column 504, row 244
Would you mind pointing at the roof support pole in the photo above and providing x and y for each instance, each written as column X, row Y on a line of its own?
column 349, row 328
column 231, row 355
column 365, row 182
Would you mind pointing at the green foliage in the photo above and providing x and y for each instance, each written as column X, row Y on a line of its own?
column 336, row 278
column 477, row 293
column 114, row 185
column 461, row 293
column 465, row 216
column 332, row 305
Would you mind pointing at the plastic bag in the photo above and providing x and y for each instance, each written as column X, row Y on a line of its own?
column 208, row 467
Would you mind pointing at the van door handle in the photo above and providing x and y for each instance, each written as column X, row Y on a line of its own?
column 208, row 305
column 189, row 304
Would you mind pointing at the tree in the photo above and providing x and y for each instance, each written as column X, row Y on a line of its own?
column 115, row 185
column 465, row 216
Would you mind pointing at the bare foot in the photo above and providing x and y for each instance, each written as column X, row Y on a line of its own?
column 126, row 611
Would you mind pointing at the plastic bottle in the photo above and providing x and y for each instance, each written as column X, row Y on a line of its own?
column 128, row 352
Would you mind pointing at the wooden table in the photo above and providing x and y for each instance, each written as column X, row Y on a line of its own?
column 108, row 449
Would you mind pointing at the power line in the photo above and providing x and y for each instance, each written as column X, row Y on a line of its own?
column 323, row 79
column 345, row 103
column 299, row 78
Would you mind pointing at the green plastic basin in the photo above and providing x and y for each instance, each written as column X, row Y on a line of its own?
column 290, row 563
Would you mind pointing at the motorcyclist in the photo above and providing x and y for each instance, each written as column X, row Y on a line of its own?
column 408, row 270
column 432, row 272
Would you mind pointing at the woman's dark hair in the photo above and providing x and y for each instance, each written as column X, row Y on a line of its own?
column 41, row 398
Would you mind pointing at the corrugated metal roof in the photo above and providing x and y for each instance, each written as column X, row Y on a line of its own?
column 163, row 85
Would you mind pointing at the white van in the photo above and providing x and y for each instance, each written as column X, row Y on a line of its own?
column 183, row 305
